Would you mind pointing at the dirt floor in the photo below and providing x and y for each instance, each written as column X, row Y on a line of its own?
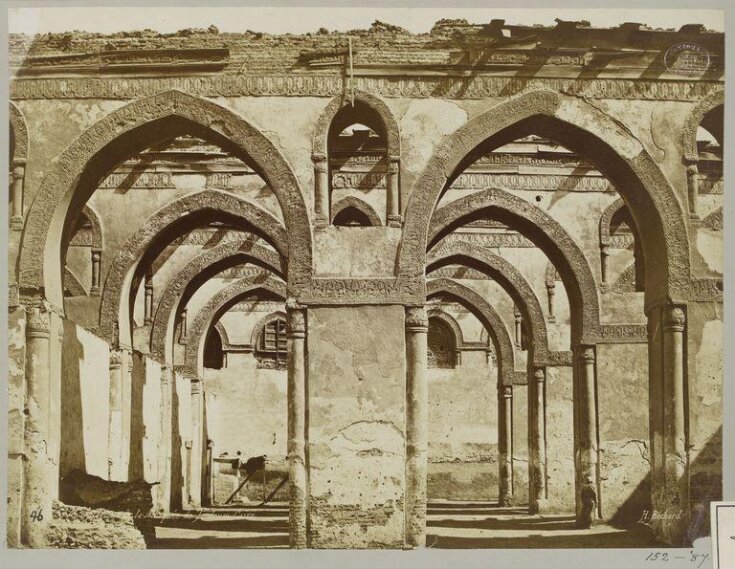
column 451, row 525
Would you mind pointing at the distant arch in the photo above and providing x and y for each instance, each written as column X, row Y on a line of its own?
column 694, row 120
column 19, row 136
column 171, row 221
column 320, row 138
column 359, row 205
column 96, row 240
column 262, row 323
column 546, row 233
column 508, row 277
column 76, row 173
column 215, row 308
column 476, row 304
column 579, row 126
column 450, row 321
column 187, row 281
column 222, row 331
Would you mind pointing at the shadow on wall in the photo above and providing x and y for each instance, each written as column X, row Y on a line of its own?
column 705, row 485
column 177, row 467
column 72, row 452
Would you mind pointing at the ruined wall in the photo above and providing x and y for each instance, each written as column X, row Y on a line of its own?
column 85, row 403
column 356, row 448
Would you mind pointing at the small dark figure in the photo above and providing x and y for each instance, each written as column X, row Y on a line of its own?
column 589, row 506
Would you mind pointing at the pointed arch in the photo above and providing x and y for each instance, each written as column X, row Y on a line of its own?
column 130, row 129
column 171, row 221
column 262, row 323
column 583, row 128
column 476, row 304
column 359, row 205
column 694, row 120
column 96, row 240
column 509, row 278
column 215, row 308
column 606, row 219
column 376, row 104
column 222, row 331
column 547, row 234
column 187, row 281
column 450, row 321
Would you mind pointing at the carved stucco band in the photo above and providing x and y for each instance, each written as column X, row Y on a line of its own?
column 476, row 304
column 217, row 306
column 548, row 235
column 508, row 277
column 360, row 205
column 177, row 212
column 639, row 180
column 41, row 239
column 179, row 290
column 329, row 85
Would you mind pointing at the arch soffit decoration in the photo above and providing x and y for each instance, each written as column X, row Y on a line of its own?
column 215, row 307
column 177, row 212
column 187, row 281
column 476, row 304
column 508, row 277
column 694, row 119
column 550, row 236
column 38, row 264
column 646, row 191
column 321, row 130
column 20, row 135
column 262, row 323
column 360, row 205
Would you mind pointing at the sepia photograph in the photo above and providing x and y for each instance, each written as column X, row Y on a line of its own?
column 365, row 278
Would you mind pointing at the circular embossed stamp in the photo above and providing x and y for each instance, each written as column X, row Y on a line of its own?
column 687, row 58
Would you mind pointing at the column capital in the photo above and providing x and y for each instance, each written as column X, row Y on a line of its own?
column 416, row 318
column 38, row 324
column 692, row 169
column 539, row 375
column 296, row 321
column 506, row 392
column 674, row 319
column 18, row 170
column 320, row 162
column 115, row 359
column 587, row 353
column 196, row 387
column 516, row 313
column 394, row 164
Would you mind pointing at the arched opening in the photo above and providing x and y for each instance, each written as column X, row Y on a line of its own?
column 213, row 354
column 442, row 345
column 585, row 163
column 357, row 137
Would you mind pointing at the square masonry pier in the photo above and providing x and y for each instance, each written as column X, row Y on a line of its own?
column 357, row 426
